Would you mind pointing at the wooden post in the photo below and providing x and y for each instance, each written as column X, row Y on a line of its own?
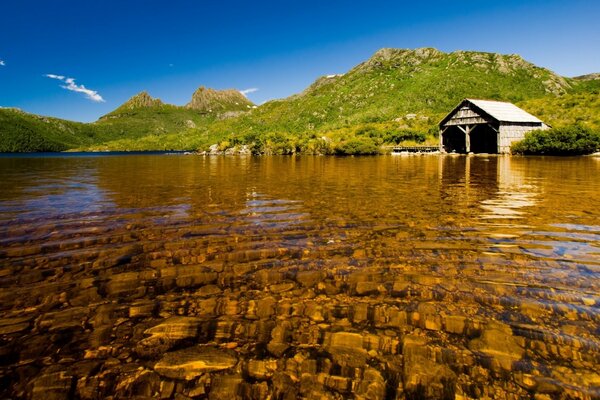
column 468, row 139
column 467, row 131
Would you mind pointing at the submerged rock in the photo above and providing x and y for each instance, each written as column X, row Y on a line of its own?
column 190, row 363
column 52, row 386
column 168, row 333
column 497, row 341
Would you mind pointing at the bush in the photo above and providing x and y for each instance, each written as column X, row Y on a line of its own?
column 566, row 141
column 356, row 146
column 402, row 135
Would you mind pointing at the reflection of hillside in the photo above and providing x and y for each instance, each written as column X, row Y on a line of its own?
column 165, row 181
column 352, row 190
column 45, row 187
column 21, row 176
column 358, row 185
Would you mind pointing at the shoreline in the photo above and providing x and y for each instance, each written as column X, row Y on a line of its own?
column 85, row 154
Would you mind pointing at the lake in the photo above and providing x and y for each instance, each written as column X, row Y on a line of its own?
column 184, row 276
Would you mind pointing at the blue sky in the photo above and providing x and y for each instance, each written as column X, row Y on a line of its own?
column 116, row 49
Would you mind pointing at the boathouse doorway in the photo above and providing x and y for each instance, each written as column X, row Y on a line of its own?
column 484, row 139
column 453, row 140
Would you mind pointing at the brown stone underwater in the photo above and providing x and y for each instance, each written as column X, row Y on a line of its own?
column 392, row 277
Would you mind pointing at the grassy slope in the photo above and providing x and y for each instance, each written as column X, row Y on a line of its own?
column 142, row 129
column 374, row 99
column 580, row 106
column 21, row 132
column 382, row 93
column 142, row 123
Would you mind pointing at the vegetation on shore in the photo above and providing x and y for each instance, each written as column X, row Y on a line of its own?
column 395, row 97
column 566, row 141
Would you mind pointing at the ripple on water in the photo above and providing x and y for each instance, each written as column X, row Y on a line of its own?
column 386, row 276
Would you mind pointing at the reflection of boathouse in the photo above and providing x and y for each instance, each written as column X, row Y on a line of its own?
column 484, row 126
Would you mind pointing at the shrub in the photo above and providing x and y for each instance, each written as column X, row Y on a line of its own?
column 356, row 146
column 566, row 141
column 402, row 135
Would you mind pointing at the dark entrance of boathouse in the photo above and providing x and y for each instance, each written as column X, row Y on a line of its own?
column 485, row 126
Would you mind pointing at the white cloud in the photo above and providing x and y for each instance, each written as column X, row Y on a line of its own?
column 70, row 85
column 2, row 63
column 246, row 92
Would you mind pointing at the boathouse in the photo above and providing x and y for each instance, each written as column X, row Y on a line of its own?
column 485, row 126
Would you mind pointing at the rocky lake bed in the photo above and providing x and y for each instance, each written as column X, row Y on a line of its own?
column 318, row 278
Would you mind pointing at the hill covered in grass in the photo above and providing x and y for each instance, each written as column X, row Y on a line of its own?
column 580, row 106
column 24, row 132
column 141, row 123
column 396, row 96
column 143, row 115
column 396, row 82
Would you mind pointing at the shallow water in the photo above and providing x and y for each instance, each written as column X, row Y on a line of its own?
column 317, row 277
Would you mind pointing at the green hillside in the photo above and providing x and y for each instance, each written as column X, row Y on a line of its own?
column 143, row 115
column 395, row 82
column 141, row 123
column 580, row 106
column 395, row 96
column 146, row 123
column 22, row 132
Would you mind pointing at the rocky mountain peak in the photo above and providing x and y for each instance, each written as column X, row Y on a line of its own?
column 212, row 100
column 398, row 57
column 141, row 100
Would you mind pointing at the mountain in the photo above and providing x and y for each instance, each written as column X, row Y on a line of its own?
column 396, row 82
column 588, row 77
column 396, row 93
column 143, row 115
column 394, row 96
column 139, row 101
column 144, row 122
column 219, row 101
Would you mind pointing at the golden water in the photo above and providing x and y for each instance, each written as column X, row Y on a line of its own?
column 484, row 271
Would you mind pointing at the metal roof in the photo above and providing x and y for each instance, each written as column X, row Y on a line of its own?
column 504, row 112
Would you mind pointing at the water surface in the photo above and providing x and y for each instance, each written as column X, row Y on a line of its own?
column 314, row 277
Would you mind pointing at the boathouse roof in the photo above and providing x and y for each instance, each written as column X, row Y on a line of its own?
column 498, row 110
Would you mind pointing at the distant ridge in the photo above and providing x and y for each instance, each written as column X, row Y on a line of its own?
column 588, row 77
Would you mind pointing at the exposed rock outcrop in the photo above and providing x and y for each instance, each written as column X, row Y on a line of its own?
column 219, row 101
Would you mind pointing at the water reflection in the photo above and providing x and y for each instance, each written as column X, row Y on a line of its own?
column 514, row 194
column 335, row 276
